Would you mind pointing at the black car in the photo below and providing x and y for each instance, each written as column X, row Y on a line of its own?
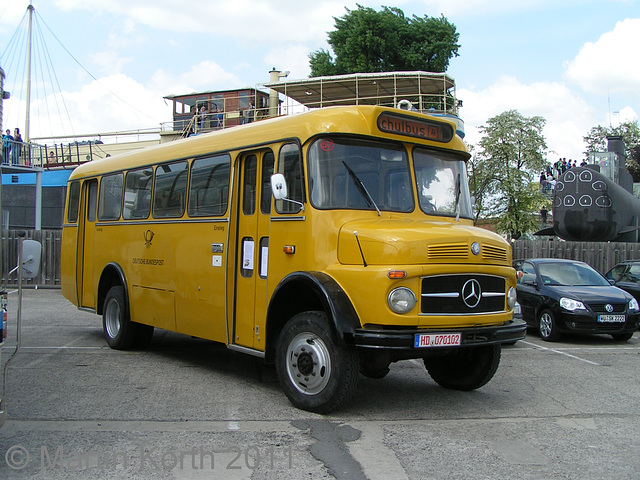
column 626, row 275
column 567, row 296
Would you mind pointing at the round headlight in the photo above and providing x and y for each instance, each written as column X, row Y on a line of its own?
column 401, row 300
column 512, row 297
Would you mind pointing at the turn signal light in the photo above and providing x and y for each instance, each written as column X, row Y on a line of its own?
column 396, row 274
column 289, row 249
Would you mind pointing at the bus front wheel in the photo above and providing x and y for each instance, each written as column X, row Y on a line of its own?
column 119, row 330
column 465, row 368
column 316, row 372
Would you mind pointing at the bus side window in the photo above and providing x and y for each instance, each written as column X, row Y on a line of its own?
column 249, row 185
column 170, row 190
column 209, row 186
column 265, row 195
column 92, row 200
column 74, row 202
column 110, row 199
column 137, row 194
column 290, row 164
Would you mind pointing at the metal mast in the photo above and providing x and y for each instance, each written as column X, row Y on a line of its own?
column 27, row 138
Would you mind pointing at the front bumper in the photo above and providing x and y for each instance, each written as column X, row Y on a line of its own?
column 509, row 332
column 581, row 323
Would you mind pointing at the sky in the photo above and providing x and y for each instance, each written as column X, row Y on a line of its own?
column 573, row 62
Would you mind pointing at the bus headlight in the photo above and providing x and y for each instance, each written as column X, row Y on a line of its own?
column 511, row 298
column 401, row 300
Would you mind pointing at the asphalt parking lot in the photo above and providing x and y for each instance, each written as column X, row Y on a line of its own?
column 188, row 408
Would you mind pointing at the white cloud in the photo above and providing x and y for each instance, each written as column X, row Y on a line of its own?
column 568, row 116
column 295, row 57
column 609, row 64
column 274, row 21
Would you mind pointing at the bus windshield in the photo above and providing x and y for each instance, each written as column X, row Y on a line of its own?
column 441, row 181
column 347, row 173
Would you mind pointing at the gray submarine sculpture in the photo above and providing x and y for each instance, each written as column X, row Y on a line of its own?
column 590, row 207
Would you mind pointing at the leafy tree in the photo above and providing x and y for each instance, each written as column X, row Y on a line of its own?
column 596, row 141
column 365, row 40
column 505, row 169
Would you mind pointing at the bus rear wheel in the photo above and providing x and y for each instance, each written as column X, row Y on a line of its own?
column 316, row 371
column 465, row 368
column 120, row 331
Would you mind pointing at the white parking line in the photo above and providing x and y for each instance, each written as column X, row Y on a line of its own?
column 560, row 353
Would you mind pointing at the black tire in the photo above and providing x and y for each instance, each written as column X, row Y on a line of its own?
column 316, row 371
column 120, row 332
column 547, row 326
column 622, row 337
column 465, row 368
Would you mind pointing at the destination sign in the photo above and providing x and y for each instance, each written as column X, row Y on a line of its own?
column 412, row 127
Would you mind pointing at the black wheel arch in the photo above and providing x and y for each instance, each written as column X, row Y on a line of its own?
column 112, row 275
column 305, row 291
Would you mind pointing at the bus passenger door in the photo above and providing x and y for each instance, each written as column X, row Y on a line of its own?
column 84, row 263
column 252, row 249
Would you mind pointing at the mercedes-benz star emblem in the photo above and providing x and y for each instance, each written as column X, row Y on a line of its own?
column 471, row 293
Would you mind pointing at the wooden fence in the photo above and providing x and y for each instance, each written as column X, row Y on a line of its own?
column 49, row 275
column 600, row 255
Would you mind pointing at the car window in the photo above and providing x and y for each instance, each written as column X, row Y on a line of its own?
column 632, row 275
column 527, row 273
column 570, row 274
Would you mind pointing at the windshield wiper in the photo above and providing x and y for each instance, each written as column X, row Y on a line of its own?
column 361, row 188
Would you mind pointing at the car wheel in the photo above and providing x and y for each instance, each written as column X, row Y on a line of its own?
column 316, row 371
column 622, row 337
column 120, row 332
column 465, row 368
column 547, row 327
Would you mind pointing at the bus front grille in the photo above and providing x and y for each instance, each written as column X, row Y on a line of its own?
column 464, row 294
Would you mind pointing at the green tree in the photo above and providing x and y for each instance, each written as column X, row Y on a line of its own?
column 365, row 40
column 596, row 141
column 504, row 172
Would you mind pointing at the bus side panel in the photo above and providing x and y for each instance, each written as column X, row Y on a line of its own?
column 153, row 307
column 200, row 254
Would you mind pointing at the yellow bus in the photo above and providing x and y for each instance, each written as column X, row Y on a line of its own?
column 329, row 243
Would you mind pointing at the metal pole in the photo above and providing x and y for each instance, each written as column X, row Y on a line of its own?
column 21, row 236
column 27, row 120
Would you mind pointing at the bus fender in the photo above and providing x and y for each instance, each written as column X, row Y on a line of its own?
column 304, row 291
column 112, row 275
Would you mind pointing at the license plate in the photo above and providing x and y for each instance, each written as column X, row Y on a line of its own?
column 433, row 340
column 611, row 318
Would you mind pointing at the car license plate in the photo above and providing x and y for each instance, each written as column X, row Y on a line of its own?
column 611, row 318
column 431, row 340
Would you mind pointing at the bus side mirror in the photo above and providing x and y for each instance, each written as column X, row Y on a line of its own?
column 31, row 253
column 278, row 186
column 279, row 189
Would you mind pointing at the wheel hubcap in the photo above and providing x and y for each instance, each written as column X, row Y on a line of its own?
column 112, row 319
column 308, row 363
column 545, row 325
